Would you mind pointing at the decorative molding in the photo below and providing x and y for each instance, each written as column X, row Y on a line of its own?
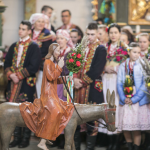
column 138, row 10
column 30, row 8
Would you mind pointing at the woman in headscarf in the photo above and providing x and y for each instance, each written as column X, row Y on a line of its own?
column 43, row 38
column 64, row 40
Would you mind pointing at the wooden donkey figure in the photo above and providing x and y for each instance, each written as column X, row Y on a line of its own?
column 106, row 111
column 10, row 117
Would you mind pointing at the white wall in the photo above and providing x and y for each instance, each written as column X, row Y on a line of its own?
column 13, row 15
column 80, row 9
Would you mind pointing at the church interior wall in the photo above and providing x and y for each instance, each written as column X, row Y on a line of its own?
column 14, row 14
column 12, row 17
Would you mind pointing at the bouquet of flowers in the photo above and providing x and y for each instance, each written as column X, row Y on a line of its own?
column 75, row 59
column 146, row 66
column 128, row 87
column 121, row 53
column 147, row 80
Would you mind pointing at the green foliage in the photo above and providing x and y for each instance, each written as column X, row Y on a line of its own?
column 72, row 66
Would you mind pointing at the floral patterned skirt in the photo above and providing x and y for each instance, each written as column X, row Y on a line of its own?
column 134, row 117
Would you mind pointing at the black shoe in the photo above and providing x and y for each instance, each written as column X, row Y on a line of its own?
column 24, row 143
column 77, row 139
column 148, row 147
column 147, row 141
column 116, row 142
column 136, row 147
column 110, row 142
column 130, row 146
column 17, row 137
column 61, row 142
column 90, row 142
column 26, row 138
column 55, row 143
column 102, row 140
column 15, row 142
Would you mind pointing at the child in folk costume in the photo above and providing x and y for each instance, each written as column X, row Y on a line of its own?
column 115, row 48
column 144, row 43
column 134, row 112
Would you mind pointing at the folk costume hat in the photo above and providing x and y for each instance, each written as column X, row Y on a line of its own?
column 35, row 17
column 51, row 50
column 66, row 35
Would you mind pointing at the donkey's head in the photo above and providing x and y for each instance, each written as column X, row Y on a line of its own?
column 110, row 110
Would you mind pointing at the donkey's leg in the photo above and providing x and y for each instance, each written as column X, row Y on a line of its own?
column 69, row 134
column 6, row 136
column 73, row 145
column 0, row 141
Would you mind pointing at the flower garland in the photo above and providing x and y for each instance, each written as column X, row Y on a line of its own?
column 120, row 55
column 31, row 81
column 14, row 68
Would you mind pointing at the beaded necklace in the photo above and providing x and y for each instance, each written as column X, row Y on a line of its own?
column 62, row 54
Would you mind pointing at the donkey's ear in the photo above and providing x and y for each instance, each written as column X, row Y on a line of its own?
column 108, row 96
column 112, row 99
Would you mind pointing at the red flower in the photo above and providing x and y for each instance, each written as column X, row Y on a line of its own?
column 78, row 63
column 106, row 29
column 118, row 58
column 73, row 54
column 108, row 56
column 119, row 50
column 79, row 55
column 71, row 60
column 124, row 52
column 128, row 90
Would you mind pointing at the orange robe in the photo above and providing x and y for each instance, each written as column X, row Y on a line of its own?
column 48, row 116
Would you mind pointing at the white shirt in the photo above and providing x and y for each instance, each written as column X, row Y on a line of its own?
column 20, row 50
column 35, row 35
column 112, row 49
